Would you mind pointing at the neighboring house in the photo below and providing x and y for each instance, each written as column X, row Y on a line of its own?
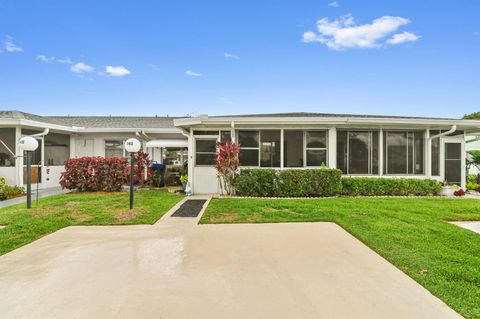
column 359, row 145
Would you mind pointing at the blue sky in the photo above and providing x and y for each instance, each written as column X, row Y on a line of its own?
column 226, row 57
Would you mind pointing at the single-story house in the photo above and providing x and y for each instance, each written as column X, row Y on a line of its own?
column 359, row 145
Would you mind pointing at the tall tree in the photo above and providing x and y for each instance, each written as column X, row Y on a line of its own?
column 472, row 116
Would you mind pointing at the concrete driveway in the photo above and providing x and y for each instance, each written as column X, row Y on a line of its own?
column 181, row 270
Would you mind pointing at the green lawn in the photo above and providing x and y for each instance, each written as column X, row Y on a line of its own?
column 56, row 212
column 412, row 233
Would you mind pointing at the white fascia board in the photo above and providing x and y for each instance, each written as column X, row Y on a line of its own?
column 327, row 121
column 35, row 124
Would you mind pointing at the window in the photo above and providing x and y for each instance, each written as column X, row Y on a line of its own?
column 113, row 148
column 316, row 148
column 270, row 148
column 293, row 148
column 403, row 152
column 357, row 152
column 7, row 136
column 205, row 150
column 249, row 148
column 57, row 148
column 453, row 163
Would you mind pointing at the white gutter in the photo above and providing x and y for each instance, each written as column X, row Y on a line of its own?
column 184, row 132
column 451, row 130
column 45, row 132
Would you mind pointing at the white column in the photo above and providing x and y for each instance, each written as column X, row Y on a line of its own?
column 332, row 147
column 428, row 154
column 191, row 150
column 380, row 152
column 282, row 150
column 18, row 158
column 72, row 146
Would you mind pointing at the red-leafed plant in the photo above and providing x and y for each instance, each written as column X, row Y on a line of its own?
column 226, row 163
column 459, row 192
column 90, row 174
column 142, row 170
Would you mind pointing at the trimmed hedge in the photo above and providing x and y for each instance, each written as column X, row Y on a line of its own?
column 327, row 182
column 91, row 174
column 268, row 182
column 381, row 186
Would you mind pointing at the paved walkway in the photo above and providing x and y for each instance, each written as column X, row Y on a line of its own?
column 41, row 194
column 178, row 269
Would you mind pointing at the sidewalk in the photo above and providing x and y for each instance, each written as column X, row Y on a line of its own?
column 41, row 194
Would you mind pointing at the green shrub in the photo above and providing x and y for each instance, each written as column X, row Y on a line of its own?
column 373, row 186
column 472, row 186
column 289, row 183
column 7, row 192
column 256, row 182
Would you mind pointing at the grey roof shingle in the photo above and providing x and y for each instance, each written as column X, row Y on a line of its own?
column 117, row 121
column 29, row 116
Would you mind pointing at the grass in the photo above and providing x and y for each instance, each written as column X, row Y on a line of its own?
column 412, row 233
column 55, row 212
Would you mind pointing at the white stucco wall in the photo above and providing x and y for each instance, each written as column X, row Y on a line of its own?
column 205, row 180
column 9, row 174
column 51, row 176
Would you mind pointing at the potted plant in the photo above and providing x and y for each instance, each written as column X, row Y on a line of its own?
column 184, row 180
column 449, row 189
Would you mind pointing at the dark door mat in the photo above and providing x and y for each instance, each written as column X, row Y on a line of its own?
column 191, row 208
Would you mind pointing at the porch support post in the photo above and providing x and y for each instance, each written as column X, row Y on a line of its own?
column 18, row 158
column 191, row 152
column 380, row 152
column 428, row 154
column 282, row 151
column 332, row 147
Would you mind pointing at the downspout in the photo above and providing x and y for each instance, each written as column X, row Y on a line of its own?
column 450, row 131
column 429, row 149
column 45, row 132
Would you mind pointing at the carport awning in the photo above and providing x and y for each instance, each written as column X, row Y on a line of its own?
column 167, row 143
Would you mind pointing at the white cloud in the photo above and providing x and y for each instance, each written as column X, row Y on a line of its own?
column 64, row 61
column 9, row 46
column 345, row 33
column 81, row 67
column 117, row 70
column 334, row 4
column 191, row 73
column 403, row 37
column 231, row 56
column 46, row 59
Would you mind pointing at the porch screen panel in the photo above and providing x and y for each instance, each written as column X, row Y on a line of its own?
column 293, row 148
column 249, row 148
column 357, row 152
column 7, row 135
column 404, row 152
column 359, row 148
column 270, row 148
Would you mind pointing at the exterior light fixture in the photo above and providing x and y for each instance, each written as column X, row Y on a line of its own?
column 28, row 144
column 132, row 145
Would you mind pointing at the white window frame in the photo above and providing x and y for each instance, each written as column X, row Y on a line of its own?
column 305, row 148
column 370, row 151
